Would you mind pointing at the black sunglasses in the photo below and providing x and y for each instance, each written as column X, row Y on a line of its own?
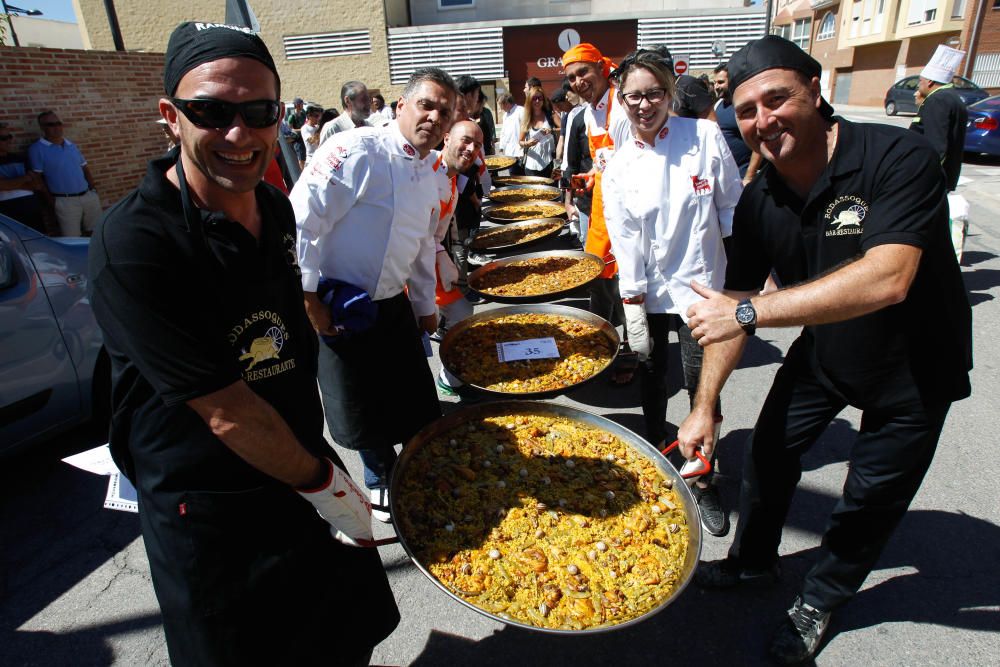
column 207, row 112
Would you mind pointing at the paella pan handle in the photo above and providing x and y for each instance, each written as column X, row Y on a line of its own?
column 374, row 544
column 706, row 467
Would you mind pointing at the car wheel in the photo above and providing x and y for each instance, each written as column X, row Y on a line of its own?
column 890, row 108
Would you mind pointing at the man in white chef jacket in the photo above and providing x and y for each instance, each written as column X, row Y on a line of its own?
column 366, row 210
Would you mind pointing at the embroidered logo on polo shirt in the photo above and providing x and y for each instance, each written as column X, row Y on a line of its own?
column 701, row 185
column 845, row 215
column 260, row 337
column 409, row 150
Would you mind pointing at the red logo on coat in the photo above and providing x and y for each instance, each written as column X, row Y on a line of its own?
column 409, row 150
column 701, row 185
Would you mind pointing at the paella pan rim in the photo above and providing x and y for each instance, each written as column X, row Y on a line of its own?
column 536, row 298
column 542, row 180
column 522, row 223
column 549, row 309
column 642, row 447
column 513, row 159
column 488, row 210
column 554, row 192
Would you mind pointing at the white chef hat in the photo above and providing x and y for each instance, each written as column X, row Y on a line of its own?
column 942, row 66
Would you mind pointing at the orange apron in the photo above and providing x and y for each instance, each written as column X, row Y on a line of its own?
column 598, row 242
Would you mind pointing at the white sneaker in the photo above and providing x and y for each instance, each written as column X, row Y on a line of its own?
column 380, row 505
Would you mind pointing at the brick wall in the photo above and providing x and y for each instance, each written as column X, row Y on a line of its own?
column 107, row 100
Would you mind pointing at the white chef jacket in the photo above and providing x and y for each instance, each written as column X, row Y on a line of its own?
column 667, row 208
column 366, row 210
column 510, row 130
column 596, row 117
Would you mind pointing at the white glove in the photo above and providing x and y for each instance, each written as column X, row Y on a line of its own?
column 447, row 271
column 638, row 330
column 343, row 505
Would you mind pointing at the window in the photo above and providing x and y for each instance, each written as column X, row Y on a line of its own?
column 856, row 18
column 456, row 4
column 827, row 27
column 958, row 9
column 800, row 33
column 785, row 30
column 921, row 11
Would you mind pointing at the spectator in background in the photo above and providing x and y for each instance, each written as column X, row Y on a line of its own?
column 562, row 106
column 538, row 135
column 532, row 82
column 310, row 131
column 511, row 125
column 693, row 99
column 357, row 108
column 296, row 118
column 942, row 115
column 379, row 108
column 67, row 177
column 470, row 88
column 18, row 185
column 747, row 160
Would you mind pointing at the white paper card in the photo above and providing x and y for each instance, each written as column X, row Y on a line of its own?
column 533, row 348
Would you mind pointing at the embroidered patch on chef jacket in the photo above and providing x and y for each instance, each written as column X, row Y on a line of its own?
column 639, row 144
column 663, row 132
column 409, row 150
column 701, row 186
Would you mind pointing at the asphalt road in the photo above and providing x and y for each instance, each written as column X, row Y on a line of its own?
column 75, row 588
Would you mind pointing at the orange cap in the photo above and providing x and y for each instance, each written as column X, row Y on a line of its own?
column 588, row 53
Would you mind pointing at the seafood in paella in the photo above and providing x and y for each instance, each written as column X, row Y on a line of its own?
column 544, row 520
column 584, row 351
column 527, row 211
column 506, row 236
column 537, row 276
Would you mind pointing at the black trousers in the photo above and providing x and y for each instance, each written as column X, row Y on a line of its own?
column 887, row 463
column 378, row 389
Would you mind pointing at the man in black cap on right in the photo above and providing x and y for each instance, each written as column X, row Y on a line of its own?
column 853, row 218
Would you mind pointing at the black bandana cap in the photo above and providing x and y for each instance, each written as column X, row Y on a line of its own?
column 196, row 43
column 773, row 52
column 691, row 98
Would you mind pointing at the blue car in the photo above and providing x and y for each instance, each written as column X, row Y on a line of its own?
column 982, row 135
column 54, row 371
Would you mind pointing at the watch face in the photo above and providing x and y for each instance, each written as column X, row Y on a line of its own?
column 744, row 313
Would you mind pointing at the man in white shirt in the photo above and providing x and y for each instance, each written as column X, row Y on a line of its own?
column 511, row 125
column 357, row 110
column 310, row 131
column 366, row 210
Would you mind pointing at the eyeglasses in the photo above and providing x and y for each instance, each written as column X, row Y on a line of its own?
column 216, row 114
column 653, row 96
column 53, row 123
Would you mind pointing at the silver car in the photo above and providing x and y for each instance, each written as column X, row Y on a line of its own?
column 54, row 371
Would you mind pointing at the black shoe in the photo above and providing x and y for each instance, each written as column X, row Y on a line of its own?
column 713, row 518
column 800, row 634
column 727, row 573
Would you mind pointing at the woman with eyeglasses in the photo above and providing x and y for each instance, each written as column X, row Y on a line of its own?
column 539, row 130
column 669, row 196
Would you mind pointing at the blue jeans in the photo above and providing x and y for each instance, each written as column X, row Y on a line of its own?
column 377, row 464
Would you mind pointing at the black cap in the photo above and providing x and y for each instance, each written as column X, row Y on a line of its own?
column 772, row 52
column 691, row 98
column 195, row 43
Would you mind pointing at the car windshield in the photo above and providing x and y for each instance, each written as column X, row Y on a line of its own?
column 964, row 84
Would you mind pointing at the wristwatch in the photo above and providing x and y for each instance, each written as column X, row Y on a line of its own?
column 746, row 316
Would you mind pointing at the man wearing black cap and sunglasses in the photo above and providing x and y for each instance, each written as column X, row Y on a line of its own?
column 252, row 528
column 854, row 219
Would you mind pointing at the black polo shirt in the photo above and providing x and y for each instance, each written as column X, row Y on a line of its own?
column 882, row 186
column 186, row 313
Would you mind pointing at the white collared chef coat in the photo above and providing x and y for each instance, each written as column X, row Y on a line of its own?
column 595, row 116
column 510, row 130
column 667, row 208
column 366, row 209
